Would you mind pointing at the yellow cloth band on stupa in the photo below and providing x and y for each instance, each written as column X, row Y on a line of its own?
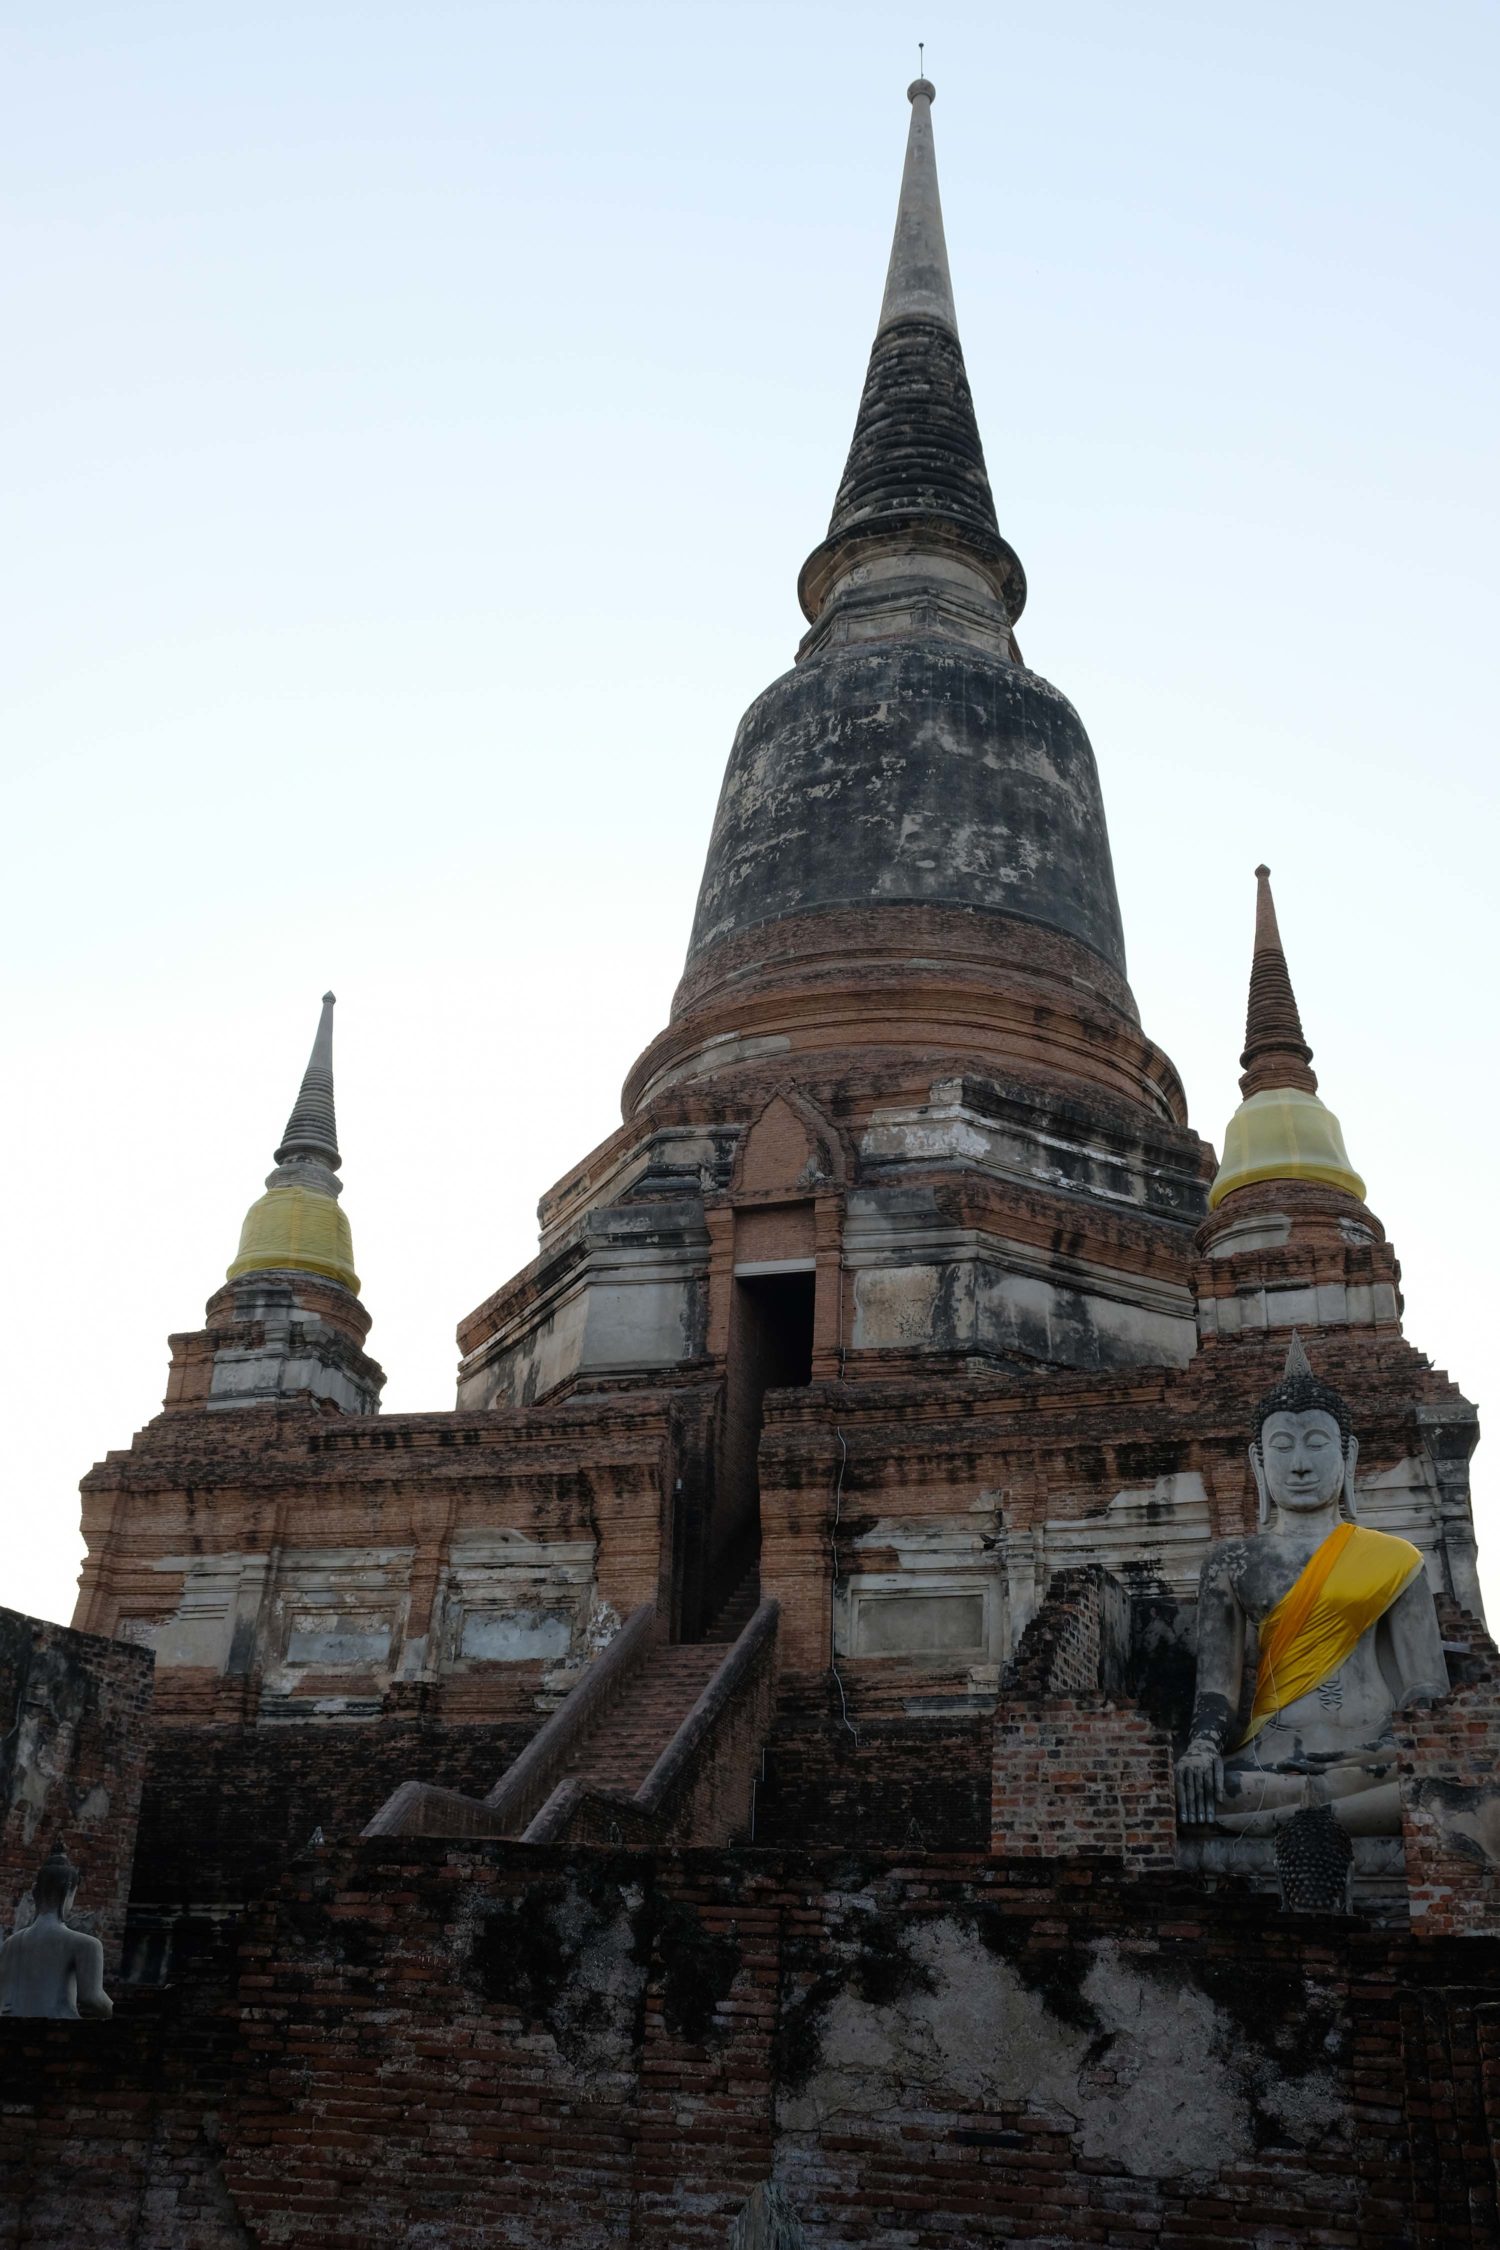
column 1350, row 1582
column 294, row 1229
column 1284, row 1134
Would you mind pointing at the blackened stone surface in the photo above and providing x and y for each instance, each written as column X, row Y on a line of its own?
column 911, row 771
column 916, row 451
column 227, row 1808
column 1314, row 1860
column 901, row 1784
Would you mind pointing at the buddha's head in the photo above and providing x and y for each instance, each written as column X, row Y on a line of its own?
column 1304, row 1451
column 56, row 1881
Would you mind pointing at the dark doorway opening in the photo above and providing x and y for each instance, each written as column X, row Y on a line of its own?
column 770, row 1348
column 773, row 1314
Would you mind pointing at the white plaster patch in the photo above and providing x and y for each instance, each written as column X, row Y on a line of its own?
column 644, row 1320
column 899, row 1621
column 198, row 1631
column 333, row 1609
column 517, row 1636
column 1177, row 2096
column 634, row 1302
column 544, row 1353
column 1017, row 1147
column 944, row 1597
column 1078, row 1327
column 1267, row 1230
column 1330, row 1304
column 897, row 1306
column 330, row 1642
column 507, row 1599
column 1165, row 1525
column 920, row 1281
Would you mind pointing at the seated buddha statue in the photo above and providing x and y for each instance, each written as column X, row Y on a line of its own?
column 48, row 1968
column 1346, row 1629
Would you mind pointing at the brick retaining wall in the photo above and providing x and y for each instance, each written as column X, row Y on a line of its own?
column 226, row 1807
column 523, row 2048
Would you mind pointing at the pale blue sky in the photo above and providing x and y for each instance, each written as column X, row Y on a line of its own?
column 415, row 418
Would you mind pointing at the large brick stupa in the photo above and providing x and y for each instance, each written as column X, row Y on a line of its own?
column 724, row 1781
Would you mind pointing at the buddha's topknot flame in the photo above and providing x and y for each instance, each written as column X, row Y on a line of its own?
column 1301, row 1392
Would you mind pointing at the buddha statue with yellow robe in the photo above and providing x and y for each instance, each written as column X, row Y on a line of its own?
column 1346, row 1630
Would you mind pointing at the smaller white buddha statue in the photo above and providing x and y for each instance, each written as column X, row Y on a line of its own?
column 1347, row 1635
column 48, row 1969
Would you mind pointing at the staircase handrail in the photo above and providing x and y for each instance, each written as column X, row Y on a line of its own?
column 634, row 1819
column 421, row 1808
column 530, row 1779
column 719, row 1690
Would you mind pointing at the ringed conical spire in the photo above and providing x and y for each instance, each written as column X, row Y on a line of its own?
column 311, row 1130
column 297, row 1226
column 1276, row 1053
column 916, row 465
column 1281, row 1130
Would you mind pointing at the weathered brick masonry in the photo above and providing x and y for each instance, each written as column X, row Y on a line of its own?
column 225, row 1808
column 75, row 1713
column 1451, row 1792
column 496, row 2045
column 1078, row 1765
column 902, row 1783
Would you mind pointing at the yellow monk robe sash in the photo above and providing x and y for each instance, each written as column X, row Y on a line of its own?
column 1350, row 1582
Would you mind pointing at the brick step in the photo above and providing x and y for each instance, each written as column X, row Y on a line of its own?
column 620, row 1751
column 735, row 1614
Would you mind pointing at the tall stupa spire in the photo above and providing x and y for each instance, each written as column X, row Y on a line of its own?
column 904, row 1005
column 1281, row 1130
column 297, row 1226
column 909, row 761
column 1276, row 1054
column 311, row 1130
column 917, row 283
column 915, row 488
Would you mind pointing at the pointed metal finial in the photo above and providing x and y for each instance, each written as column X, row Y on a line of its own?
column 1267, row 934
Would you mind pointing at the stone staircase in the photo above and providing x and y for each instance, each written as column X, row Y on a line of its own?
column 622, row 1746
column 737, row 1612
column 658, row 1743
